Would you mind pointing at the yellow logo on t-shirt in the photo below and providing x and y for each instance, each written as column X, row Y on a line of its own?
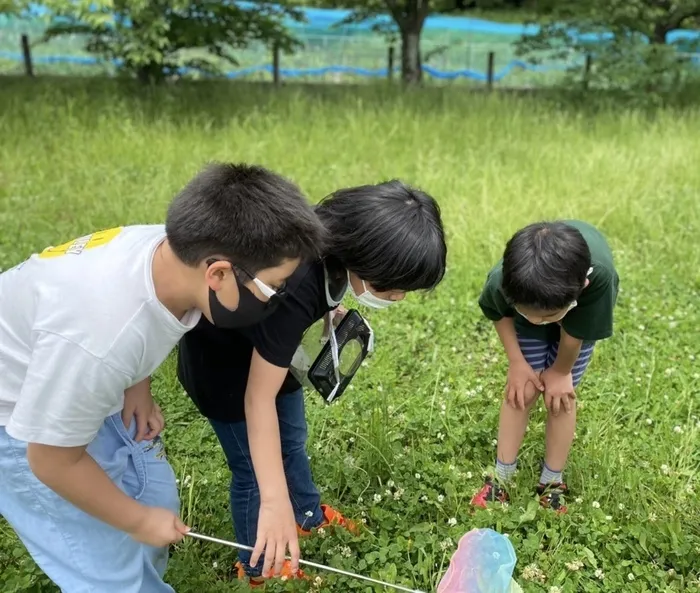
column 77, row 246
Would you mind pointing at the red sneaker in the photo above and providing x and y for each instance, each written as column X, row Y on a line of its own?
column 489, row 492
column 552, row 496
column 331, row 517
column 259, row 582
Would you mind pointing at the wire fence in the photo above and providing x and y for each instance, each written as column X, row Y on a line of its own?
column 483, row 53
column 447, row 57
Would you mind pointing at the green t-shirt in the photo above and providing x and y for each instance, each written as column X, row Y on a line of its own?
column 590, row 320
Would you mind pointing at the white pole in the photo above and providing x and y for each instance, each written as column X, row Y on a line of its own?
column 306, row 563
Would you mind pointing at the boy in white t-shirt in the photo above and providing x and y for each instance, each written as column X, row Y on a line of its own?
column 83, row 325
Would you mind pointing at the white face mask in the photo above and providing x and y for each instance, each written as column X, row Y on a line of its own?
column 367, row 298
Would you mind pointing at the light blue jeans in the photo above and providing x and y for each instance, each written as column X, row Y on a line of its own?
column 76, row 551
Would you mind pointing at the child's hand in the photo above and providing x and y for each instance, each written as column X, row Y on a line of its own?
column 519, row 374
column 160, row 527
column 277, row 529
column 139, row 404
column 558, row 391
column 340, row 312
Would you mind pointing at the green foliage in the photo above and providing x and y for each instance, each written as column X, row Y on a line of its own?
column 405, row 448
column 154, row 38
column 627, row 41
column 11, row 7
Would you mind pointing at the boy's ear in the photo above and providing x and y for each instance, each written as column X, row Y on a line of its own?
column 586, row 283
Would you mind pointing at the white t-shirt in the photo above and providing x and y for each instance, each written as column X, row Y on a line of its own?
column 79, row 324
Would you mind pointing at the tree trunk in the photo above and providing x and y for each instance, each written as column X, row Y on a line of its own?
column 659, row 34
column 411, row 69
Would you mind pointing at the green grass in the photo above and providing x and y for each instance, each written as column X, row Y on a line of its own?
column 79, row 156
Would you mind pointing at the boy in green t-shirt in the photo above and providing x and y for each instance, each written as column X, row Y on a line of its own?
column 551, row 298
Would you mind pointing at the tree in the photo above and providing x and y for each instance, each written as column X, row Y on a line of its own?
column 153, row 39
column 12, row 7
column 628, row 39
column 408, row 18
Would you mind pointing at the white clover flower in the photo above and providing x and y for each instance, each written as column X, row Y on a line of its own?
column 390, row 483
column 469, row 475
column 575, row 565
column 599, row 574
column 652, row 517
column 441, row 498
column 215, row 565
column 452, row 522
column 650, row 421
column 595, row 504
column 621, row 506
column 608, row 517
column 417, row 476
column 630, row 577
column 665, row 469
column 377, row 498
column 677, row 429
column 446, row 544
column 533, row 573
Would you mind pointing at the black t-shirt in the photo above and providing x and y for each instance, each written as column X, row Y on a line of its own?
column 213, row 363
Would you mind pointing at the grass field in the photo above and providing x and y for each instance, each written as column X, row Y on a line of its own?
column 79, row 156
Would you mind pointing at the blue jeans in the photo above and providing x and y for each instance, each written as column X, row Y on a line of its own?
column 245, row 494
column 78, row 552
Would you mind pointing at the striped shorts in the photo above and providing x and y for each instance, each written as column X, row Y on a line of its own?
column 540, row 355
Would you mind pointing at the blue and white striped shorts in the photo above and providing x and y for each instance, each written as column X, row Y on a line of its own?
column 540, row 355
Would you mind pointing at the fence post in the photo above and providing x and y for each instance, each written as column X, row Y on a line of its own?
column 489, row 71
column 390, row 63
column 27, row 53
column 276, row 64
column 587, row 71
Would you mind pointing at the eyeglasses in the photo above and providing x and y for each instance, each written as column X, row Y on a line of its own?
column 268, row 291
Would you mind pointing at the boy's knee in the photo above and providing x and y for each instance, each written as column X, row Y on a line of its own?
column 294, row 444
column 531, row 395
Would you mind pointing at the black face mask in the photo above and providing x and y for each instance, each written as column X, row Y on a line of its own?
column 250, row 310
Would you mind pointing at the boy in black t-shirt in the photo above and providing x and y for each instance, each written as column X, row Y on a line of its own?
column 551, row 298
column 383, row 241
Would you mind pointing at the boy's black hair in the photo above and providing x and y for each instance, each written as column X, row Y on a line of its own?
column 389, row 234
column 545, row 266
column 244, row 213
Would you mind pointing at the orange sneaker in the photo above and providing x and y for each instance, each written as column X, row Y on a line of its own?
column 331, row 517
column 259, row 582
